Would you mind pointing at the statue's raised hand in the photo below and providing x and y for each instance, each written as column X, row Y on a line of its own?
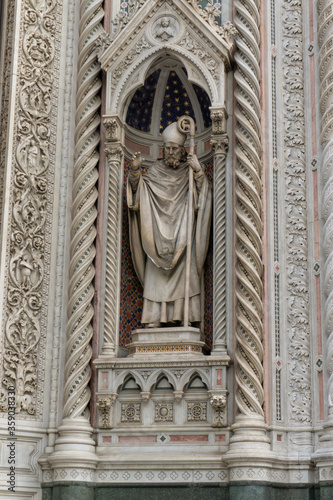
column 194, row 163
column 137, row 161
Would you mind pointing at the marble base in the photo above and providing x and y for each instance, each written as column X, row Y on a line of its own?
column 184, row 340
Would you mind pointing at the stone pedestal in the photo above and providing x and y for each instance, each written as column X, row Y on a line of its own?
column 186, row 340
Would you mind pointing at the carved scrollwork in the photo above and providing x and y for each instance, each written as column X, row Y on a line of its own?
column 27, row 268
column 296, row 210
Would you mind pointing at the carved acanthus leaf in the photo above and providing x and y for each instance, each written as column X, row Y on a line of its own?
column 114, row 153
column 102, row 43
column 220, row 144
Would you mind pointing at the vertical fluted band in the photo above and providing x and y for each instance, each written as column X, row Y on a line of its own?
column 249, row 349
column 325, row 39
column 84, row 213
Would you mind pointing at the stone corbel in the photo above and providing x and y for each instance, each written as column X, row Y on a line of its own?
column 219, row 405
column 105, row 406
column 178, row 396
column 219, row 120
column 145, row 395
column 113, row 129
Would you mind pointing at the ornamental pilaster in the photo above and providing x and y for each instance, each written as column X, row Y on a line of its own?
column 325, row 39
column 219, row 142
column 114, row 155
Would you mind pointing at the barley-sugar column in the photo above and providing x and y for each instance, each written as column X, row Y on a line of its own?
column 75, row 447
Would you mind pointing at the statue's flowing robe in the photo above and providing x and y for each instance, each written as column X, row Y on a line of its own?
column 158, row 219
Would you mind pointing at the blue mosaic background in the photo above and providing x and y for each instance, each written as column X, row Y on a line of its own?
column 176, row 103
column 131, row 289
column 140, row 110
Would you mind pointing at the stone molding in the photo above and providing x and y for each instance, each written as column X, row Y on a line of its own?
column 5, row 69
column 296, row 216
column 31, row 202
column 63, row 226
column 325, row 38
column 296, row 474
column 84, row 213
column 249, row 349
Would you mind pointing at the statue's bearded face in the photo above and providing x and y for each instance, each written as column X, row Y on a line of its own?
column 173, row 154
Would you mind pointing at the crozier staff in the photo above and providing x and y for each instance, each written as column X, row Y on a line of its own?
column 158, row 204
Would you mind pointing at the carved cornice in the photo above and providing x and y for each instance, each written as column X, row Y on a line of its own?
column 31, row 202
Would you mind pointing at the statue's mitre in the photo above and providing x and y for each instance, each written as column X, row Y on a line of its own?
column 172, row 134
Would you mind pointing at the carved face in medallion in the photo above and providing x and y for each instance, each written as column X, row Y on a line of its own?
column 165, row 28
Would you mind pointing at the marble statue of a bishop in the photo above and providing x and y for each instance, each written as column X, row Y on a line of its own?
column 158, row 219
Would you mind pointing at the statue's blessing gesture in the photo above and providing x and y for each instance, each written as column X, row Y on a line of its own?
column 165, row 213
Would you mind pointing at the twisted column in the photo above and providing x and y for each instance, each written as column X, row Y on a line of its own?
column 219, row 143
column 114, row 155
column 84, row 213
column 325, row 39
column 249, row 350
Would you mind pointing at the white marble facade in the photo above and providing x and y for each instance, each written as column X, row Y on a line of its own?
column 259, row 406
